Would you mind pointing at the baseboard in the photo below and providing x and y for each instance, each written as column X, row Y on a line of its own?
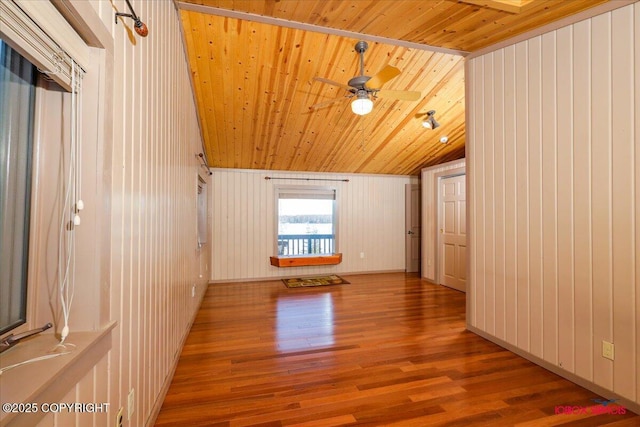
column 628, row 404
column 155, row 410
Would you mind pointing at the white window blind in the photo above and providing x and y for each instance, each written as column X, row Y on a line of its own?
column 307, row 193
column 41, row 34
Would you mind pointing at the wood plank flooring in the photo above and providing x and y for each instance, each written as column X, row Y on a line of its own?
column 386, row 349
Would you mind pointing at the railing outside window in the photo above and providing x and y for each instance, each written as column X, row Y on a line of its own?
column 306, row 244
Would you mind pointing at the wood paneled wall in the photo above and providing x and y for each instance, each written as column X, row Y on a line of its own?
column 150, row 217
column 370, row 220
column 554, row 163
column 430, row 179
column 155, row 258
column 92, row 388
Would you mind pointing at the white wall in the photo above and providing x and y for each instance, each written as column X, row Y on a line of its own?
column 370, row 220
column 554, row 164
column 430, row 181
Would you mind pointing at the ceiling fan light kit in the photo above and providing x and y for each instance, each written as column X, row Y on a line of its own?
column 362, row 104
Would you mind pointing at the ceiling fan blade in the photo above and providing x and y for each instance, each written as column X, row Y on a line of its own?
column 383, row 76
column 403, row 95
column 325, row 103
column 331, row 82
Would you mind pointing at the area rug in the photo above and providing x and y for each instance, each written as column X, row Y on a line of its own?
column 306, row 282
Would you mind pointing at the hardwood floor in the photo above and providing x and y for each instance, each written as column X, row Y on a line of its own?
column 387, row 349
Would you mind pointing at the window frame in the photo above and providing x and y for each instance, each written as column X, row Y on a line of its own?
column 305, row 189
column 39, row 33
column 202, row 202
column 35, row 292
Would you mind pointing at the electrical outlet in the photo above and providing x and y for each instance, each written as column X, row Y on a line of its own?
column 361, row 254
column 607, row 350
column 119, row 417
column 131, row 400
column 193, row 291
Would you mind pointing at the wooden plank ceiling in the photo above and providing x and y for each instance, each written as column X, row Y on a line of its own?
column 253, row 64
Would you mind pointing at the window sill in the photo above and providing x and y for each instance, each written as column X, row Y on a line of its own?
column 48, row 381
column 305, row 260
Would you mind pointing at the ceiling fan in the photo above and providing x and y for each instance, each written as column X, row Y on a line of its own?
column 364, row 88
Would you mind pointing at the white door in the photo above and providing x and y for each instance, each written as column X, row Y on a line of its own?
column 453, row 233
column 412, row 221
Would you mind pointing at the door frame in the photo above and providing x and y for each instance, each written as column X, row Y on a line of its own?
column 407, row 225
column 438, row 177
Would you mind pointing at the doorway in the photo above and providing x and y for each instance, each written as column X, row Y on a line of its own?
column 452, row 236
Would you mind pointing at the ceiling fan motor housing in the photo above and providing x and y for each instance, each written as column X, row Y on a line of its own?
column 358, row 82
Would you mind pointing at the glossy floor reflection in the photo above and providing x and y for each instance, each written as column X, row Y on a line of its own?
column 384, row 350
column 304, row 321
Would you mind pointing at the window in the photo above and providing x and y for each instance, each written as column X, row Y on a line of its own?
column 17, row 95
column 202, row 211
column 29, row 26
column 306, row 221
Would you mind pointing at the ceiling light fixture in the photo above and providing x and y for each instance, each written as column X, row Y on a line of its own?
column 362, row 104
column 430, row 122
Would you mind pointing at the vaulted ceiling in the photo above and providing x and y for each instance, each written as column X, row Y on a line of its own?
column 255, row 65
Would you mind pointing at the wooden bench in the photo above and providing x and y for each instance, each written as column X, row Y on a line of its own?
column 305, row 260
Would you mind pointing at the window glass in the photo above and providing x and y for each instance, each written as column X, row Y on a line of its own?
column 202, row 212
column 17, row 94
column 306, row 221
